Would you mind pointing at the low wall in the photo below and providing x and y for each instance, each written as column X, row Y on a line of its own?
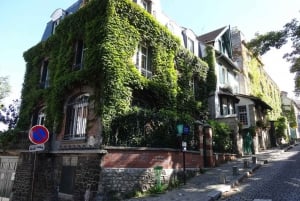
column 124, row 170
column 121, row 157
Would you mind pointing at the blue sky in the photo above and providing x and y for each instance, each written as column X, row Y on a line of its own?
column 23, row 22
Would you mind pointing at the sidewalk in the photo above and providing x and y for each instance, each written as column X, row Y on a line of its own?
column 210, row 185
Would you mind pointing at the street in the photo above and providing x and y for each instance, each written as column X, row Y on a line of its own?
column 278, row 180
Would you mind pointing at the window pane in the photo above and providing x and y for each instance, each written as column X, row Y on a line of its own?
column 143, row 61
column 243, row 114
column 79, row 54
column 44, row 80
column 77, row 118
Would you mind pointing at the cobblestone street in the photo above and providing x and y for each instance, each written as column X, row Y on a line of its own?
column 279, row 180
column 272, row 173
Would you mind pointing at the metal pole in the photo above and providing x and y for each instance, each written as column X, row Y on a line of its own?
column 33, row 176
column 184, row 175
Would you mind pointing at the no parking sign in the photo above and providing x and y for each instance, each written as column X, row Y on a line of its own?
column 38, row 134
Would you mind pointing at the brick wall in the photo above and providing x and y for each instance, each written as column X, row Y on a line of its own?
column 149, row 158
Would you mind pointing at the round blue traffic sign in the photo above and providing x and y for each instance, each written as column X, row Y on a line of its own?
column 38, row 134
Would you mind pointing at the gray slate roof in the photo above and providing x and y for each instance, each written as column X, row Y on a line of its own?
column 49, row 27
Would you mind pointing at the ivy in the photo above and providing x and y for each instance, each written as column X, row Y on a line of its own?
column 261, row 87
column 111, row 31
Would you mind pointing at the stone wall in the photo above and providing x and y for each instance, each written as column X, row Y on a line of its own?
column 127, row 180
column 23, row 179
column 48, row 173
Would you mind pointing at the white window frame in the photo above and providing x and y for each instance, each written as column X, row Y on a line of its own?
column 142, row 57
column 243, row 113
column 77, row 122
column 41, row 118
column 223, row 74
column 226, row 106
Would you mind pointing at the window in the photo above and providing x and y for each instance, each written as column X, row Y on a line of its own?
column 77, row 112
column 242, row 110
column 190, row 45
column 56, row 17
column 222, row 47
column 44, row 79
column 55, row 24
column 79, row 51
column 146, row 4
column 41, row 117
column 143, row 59
column 223, row 75
column 227, row 105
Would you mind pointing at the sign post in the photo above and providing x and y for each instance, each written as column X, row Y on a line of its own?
column 38, row 135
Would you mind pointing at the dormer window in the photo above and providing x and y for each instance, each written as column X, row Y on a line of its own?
column 142, row 60
column 56, row 17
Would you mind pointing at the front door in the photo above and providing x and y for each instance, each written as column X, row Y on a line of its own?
column 247, row 143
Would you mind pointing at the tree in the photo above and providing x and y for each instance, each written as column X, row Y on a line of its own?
column 8, row 115
column 4, row 88
column 291, row 31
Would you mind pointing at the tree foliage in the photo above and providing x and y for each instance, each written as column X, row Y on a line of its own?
column 9, row 115
column 4, row 87
column 222, row 141
column 262, row 43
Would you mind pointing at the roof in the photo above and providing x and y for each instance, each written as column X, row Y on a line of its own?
column 211, row 36
column 224, row 92
column 257, row 101
column 227, row 60
column 72, row 9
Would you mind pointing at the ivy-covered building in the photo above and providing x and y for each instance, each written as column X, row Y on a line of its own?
column 259, row 96
column 223, row 100
column 112, row 80
column 107, row 79
column 290, row 110
column 246, row 98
